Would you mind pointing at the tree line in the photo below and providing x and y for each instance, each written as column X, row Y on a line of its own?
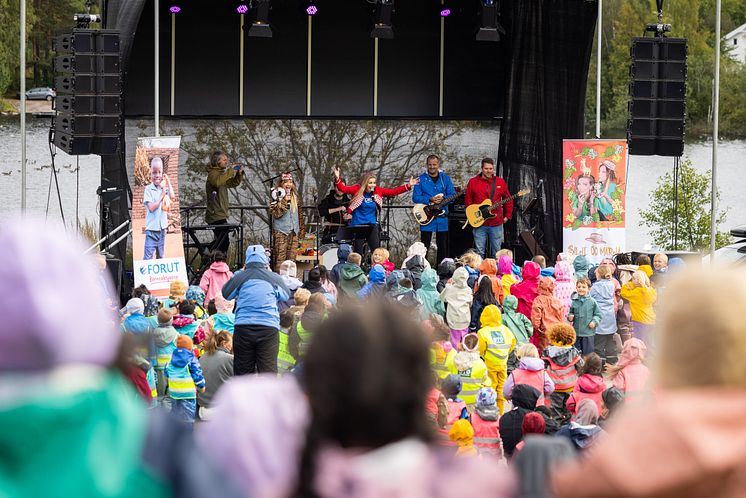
column 691, row 19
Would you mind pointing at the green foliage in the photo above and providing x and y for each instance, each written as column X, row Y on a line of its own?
column 43, row 19
column 692, row 19
column 694, row 211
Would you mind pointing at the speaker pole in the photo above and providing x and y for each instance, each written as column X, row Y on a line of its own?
column 598, row 70
column 715, row 123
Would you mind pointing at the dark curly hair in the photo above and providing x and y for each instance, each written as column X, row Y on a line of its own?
column 356, row 401
column 561, row 334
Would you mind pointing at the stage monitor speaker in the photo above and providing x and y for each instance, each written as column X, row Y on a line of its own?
column 657, row 96
column 115, row 268
column 459, row 240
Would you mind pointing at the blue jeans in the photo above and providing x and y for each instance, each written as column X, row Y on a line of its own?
column 495, row 234
column 184, row 409
column 154, row 243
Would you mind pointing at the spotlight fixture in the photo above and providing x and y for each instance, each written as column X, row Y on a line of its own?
column 242, row 9
column 260, row 22
column 312, row 10
column 489, row 28
column 445, row 12
column 174, row 9
column 382, row 27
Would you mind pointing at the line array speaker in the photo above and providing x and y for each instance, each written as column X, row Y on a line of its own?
column 88, row 80
column 657, row 96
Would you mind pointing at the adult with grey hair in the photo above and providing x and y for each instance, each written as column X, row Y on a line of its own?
column 220, row 177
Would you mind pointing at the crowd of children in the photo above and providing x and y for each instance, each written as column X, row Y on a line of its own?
column 518, row 356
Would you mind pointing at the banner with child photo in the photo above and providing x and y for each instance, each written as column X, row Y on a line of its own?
column 157, row 245
column 593, row 197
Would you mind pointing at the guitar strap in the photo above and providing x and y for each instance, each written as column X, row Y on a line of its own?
column 492, row 188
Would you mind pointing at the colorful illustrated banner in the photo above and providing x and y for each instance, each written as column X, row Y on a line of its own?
column 593, row 197
column 157, row 246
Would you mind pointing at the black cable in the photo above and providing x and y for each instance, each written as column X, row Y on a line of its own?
column 52, row 153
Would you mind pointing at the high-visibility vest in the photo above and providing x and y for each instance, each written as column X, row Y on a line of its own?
column 579, row 396
column 285, row 360
column 564, row 377
column 532, row 378
column 498, row 342
column 472, row 380
column 454, row 413
column 486, row 436
column 441, row 368
column 180, row 382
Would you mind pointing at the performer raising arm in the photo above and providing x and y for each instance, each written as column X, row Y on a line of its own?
column 367, row 200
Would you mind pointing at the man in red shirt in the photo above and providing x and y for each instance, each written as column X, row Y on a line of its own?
column 486, row 185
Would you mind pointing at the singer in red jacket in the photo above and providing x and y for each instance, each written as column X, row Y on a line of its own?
column 477, row 190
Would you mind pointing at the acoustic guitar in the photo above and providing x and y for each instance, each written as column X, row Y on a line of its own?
column 425, row 213
column 477, row 214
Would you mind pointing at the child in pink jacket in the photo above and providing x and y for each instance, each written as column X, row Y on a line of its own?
column 629, row 375
column 215, row 277
column 564, row 285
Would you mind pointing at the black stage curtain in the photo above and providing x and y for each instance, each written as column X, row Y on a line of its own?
column 549, row 48
column 123, row 15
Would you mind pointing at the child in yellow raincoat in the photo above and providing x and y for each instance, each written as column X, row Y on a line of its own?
column 469, row 366
column 496, row 342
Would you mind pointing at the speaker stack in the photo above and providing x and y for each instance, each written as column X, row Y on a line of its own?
column 657, row 106
column 88, row 80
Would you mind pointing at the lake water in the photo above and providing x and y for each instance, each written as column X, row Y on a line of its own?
column 643, row 174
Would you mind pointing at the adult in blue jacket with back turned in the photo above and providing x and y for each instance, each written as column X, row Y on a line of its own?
column 257, row 290
column 434, row 186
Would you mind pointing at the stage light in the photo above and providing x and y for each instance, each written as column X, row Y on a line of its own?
column 445, row 12
column 174, row 9
column 242, row 9
column 489, row 28
column 312, row 10
column 382, row 26
column 260, row 23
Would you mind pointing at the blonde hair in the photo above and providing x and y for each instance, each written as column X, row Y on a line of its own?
column 318, row 299
column 641, row 278
column 527, row 350
column 216, row 339
column 382, row 251
column 354, row 258
column 504, row 252
column 603, row 272
column 471, row 259
column 701, row 336
column 301, row 297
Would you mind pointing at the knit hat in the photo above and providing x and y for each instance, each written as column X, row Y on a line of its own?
column 561, row 334
column 134, row 305
column 44, row 268
column 195, row 295
column 486, row 397
column 223, row 305
column 470, row 342
column 183, row 341
column 612, row 398
column 461, row 431
column 310, row 320
column 451, row 386
column 533, row 423
column 165, row 318
column 177, row 289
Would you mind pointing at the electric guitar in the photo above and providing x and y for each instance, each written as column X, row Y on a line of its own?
column 477, row 214
column 425, row 213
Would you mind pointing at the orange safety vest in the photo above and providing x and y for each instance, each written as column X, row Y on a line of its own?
column 579, row 396
column 564, row 378
column 486, row 436
column 532, row 378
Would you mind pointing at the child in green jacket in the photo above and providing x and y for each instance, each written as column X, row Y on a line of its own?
column 585, row 316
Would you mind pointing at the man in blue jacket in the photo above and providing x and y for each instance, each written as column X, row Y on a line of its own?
column 434, row 186
column 257, row 291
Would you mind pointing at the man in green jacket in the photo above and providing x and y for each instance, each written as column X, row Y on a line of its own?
column 220, row 177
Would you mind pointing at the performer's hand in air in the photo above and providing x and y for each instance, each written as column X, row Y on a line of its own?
column 336, row 173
